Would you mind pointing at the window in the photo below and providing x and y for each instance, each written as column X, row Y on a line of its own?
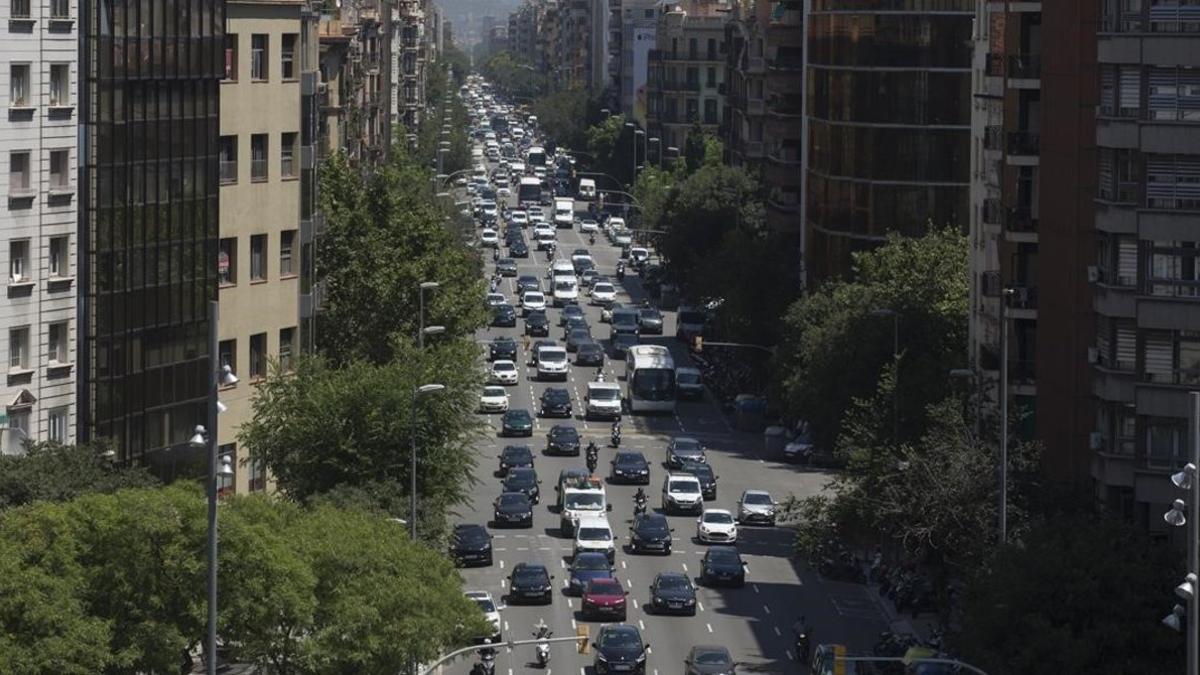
column 60, row 9
column 287, row 155
column 18, row 348
column 1165, row 443
column 56, row 424
column 56, row 343
column 18, row 261
column 258, row 257
column 18, row 85
column 258, row 475
column 712, row 49
column 287, row 241
column 227, row 353
column 60, row 264
column 229, row 167
column 287, row 56
column 60, row 85
column 287, row 343
column 225, row 484
column 231, row 57
column 1173, row 268
column 710, row 74
column 60, row 170
column 258, row 57
column 227, row 261
column 692, row 48
column 18, row 418
column 693, row 110
column 710, row 111
column 1174, row 94
column 1173, row 182
column 258, row 157
column 258, row 356
column 18, row 172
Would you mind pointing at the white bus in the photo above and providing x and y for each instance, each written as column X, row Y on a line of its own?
column 650, row 379
column 536, row 156
column 529, row 191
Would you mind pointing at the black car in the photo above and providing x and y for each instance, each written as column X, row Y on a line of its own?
column 528, row 282
column 562, row 440
column 515, row 456
column 471, row 545
column 507, row 267
column 650, row 320
column 650, row 533
column 569, row 311
column 536, row 324
column 583, row 264
column 575, row 323
column 556, row 402
column 530, row 582
column 709, row 660
column 722, row 565
column 504, row 316
column 703, row 473
column 681, row 450
column 513, row 509
column 673, row 593
column 519, row 249
column 625, row 320
column 577, row 337
column 524, row 480
column 589, row 353
column 621, row 344
column 630, row 467
column 516, row 422
column 503, row 347
column 619, row 649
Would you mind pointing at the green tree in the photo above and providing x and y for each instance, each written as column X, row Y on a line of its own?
column 610, row 144
column 56, row 472
column 564, row 116
column 695, row 147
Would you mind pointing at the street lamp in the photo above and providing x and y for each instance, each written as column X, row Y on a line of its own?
column 418, row 392
column 421, row 288
column 1186, row 480
column 895, row 360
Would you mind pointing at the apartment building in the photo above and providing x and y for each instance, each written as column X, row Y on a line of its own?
column 1144, row 278
column 38, row 236
column 639, row 31
column 687, row 73
column 354, row 94
column 408, row 90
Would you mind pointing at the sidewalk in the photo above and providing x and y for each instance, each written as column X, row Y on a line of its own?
column 902, row 623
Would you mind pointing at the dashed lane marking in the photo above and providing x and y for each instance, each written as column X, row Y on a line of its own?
column 767, row 609
column 623, row 566
column 755, row 587
column 684, row 567
column 708, row 626
column 700, row 605
column 635, row 605
column 777, row 633
column 501, row 564
column 641, row 625
column 789, row 654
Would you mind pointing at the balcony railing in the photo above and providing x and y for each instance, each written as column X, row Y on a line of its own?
column 1024, row 142
column 675, row 85
column 229, row 171
column 753, row 148
column 993, row 137
column 690, row 57
column 1020, row 219
column 993, row 211
column 756, row 64
column 1025, row 66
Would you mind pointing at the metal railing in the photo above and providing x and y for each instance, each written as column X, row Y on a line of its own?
column 1024, row 142
column 229, row 171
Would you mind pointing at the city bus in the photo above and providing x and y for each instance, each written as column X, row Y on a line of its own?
column 529, row 191
column 650, row 379
column 536, row 156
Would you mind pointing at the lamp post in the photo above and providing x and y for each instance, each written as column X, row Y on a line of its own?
column 1187, row 481
column 417, row 393
column 1005, row 294
column 895, row 360
column 421, row 288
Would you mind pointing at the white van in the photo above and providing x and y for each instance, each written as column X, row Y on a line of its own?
column 681, row 493
column 566, row 290
column 552, row 363
column 587, row 189
column 594, row 535
column 564, row 212
column 603, row 400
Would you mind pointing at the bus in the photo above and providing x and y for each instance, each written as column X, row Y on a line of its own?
column 536, row 156
column 529, row 191
column 650, row 379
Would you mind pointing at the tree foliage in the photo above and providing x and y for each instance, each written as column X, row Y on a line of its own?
column 116, row 583
column 610, row 145
column 513, row 76
column 56, row 472
column 564, row 116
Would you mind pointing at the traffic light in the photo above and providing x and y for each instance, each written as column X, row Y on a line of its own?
column 698, row 343
column 585, row 647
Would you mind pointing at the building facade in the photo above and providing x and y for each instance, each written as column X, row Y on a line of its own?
column 639, row 32
column 687, row 73
column 38, row 224
column 888, row 124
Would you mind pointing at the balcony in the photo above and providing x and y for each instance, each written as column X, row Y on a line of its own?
column 679, row 87
column 1023, row 147
column 755, row 106
column 993, row 138
column 785, row 105
column 752, row 149
column 1020, row 220
column 1024, row 66
column 786, row 64
column 993, row 211
column 788, row 156
column 690, row 57
column 1023, row 297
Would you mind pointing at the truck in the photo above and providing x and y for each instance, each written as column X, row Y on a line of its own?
column 564, row 212
column 580, row 497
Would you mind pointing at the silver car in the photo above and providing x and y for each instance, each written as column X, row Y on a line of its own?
column 755, row 507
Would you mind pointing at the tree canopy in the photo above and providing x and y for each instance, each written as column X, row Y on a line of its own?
column 56, row 472
column 564, row 116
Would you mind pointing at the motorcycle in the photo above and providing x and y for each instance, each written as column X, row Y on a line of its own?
column 639, row 506
column 543, row 649
column 486, row 664
column 592, row 239
column 616, row 435
column 800, row 629
column 620, row 271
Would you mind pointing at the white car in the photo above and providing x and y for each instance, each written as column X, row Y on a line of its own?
column 494, row 299
column 493, row 399
column 543, row 228
column 490, row 610
column 623, row 238
column 533, row 301
column 536, row 215
column 520, row 218
column 588, row 225
column 614, row 223
column 504, row 372
column 461, row 181
column 757, row 506
column 489, row 238
column 503, row 191
column 603, row 293
column 716, row 526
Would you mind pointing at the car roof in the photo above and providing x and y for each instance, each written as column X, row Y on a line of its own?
column 590, row 555
column 481, row 595
column 711, row 649
column 756, row 492
column 725, row 512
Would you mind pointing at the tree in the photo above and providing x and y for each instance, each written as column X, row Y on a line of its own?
column 611, row 146
column 564, row 116
column 694, row 148
column 1078, row 593
column 56, row 472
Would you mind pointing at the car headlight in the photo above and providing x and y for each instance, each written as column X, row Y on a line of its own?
column 690, row 602
column 601, row 657
column 642, row 657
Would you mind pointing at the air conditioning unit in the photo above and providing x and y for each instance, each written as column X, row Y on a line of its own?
column 1093, row 355
column 1093, row 273
column 1095, row 440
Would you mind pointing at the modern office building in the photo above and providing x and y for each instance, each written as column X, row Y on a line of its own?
column 38, row 237
column 687, row 73
column 1144, row 277
column 148, row 223
column 888, row 120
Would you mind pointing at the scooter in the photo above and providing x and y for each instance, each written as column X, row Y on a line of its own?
column 639, row 506
column 592, row 460
column 486, row 664
column 543, row 649
column 592, row 239
column 800, row 629
column 616, row 435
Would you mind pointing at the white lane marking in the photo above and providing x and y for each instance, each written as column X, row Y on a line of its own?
column 684, row 567
column 700, row 605
column 789, row 654
column 503, row 583
column 573, row 624
column 629, row 583
column 570, row 603
column 708, row 626
column 500, row 536
column 544, row 548
column 777, row 633
column 501, row 548
column 747, row 566
column 501, row 564
column 623, row 565
column 522, row 548
column 563, row 563
column 766, row 609
column 641, row 625
column 510, row 671
column 648, row 650
column 755, row 587
column 582, row 671
column 635, row 603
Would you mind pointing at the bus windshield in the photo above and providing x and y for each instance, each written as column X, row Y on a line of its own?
column 653, row 384
column 529, row 191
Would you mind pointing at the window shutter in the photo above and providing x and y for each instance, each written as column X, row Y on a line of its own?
column 1108, row 90
column 1130, row 90
column 1158, row 364
column 1126, row 347
column 1127, row 256
column 1102, row 344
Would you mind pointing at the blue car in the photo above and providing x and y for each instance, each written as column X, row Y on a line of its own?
column 588, row 566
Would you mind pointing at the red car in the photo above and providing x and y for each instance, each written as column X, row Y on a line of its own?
column 604, row 598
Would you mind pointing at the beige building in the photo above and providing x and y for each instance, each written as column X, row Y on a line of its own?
column 687, row 70
column 259, row 251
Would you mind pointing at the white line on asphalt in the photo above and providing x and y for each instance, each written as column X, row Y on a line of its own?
column 570, row 604
column 623, row 565
column 635, row 603
column 629, row 583
column 755, row 587
column 648, row 651
column 501, row 564
column 544, row 548
column 499, row 536
column 684, row 566
column 708, row 626
column 767, row 609
column 777, row 633
column 700, row 605
column 563, row 563
column 505, row 626
column 503, row 583
column 747, row 568
column 789, row 654
column 501, row 549
column 573, row 624
column 641, row 625
column 582, row 671
column 522, row 548
column 510, row 671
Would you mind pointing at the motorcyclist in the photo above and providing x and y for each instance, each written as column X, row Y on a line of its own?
column 541, row 630
column 800, row 631
column 496, row 254
column 639, row 497
column 616, row 434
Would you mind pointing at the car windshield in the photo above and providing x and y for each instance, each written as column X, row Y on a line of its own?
column 649, row 314
column 718, row 518
column 630, row 458
column 604, row 288
column 590, row 562
column 684, row 487
column 585, row 502
column 723, row 555
column 652, row 527
column 518, row 455
column 503, row 366
column 493, row 391
column 606, row 588
column 513, row 500
column 471, row 535
column 564, row 432
column 534, row 297
column 529, row 576
column 564, row 286
column 687, row 378
column 605, row 394
column 686, row 446
column 712, row 658
column 620, row 638
column 486, row 604
column 757, row 498
column 595, row 534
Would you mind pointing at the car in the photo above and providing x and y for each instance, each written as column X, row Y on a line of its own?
column 556, row 402
column 533, row 301
column 638, row 255
column 580, row 252
column 716, row 526
column 588, row 276
column 514, row 457
column 672, row 593
column 471, row 545
column 607, row 312
column 625, row 320
column 537, row 325
column 461, row 181
column 503, row 191
column 488, row 238
column 704, row 473
column 650, row 320
column 629, row 466
column 622, row 238
column 516, row 423
column 528, row 282
column 709, row 660
column 689, row 383
column 519, row 249
column 578, row 336
column 619, row 649
column 533, row 350
column 573, row 323
column 504, row 316
column 524, row 480
column 493, row 399
column 569, row 311
column 586, row 566
column 605, row 598
column 582, row 264
column 530, row 582
column 650, row 533
column 681, row 494
column 621, row 343
column 683, row 449
column 506, row 267
column 587, row 225
column 518, row 217
column 502, row 348
column 756, row 507
column 503, row 371
column 491, row 612
column 590, row 354
column 496, row 299
column 603, row 293
column 513, row 509
column 722, row 565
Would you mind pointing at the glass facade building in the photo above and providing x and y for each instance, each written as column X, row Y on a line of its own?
column 150, row 72
column 888, row 105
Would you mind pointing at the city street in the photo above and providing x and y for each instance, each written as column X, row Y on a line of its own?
column 753, row 622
